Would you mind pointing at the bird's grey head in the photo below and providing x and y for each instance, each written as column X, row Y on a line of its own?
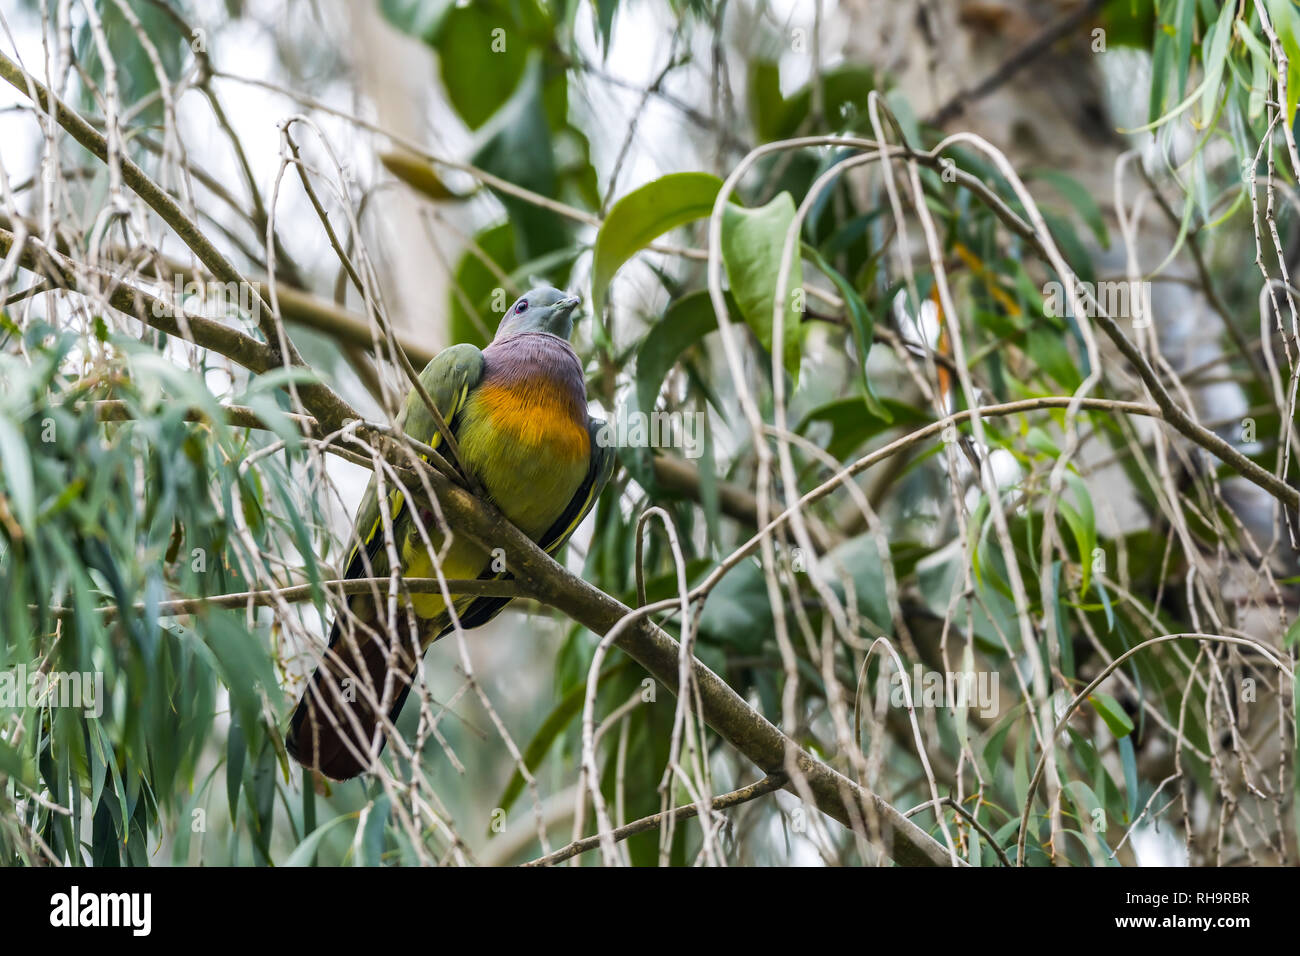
column 543, row 309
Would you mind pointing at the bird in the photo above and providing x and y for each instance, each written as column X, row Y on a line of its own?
column 517, row 410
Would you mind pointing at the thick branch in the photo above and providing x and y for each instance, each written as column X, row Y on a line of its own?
column 132, row 175
column 63, row 272
column 724, row 710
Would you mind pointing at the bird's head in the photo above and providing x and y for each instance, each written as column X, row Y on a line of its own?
column 543, row 309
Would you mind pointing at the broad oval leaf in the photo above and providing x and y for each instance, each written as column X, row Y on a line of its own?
column 752, row 242
column 684, row 323
column 480, row 76
column 644, row 215
column 853, row 421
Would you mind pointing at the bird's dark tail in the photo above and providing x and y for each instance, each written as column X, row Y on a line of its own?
column 334, row 725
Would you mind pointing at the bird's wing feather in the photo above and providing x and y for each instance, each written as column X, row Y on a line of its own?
column 448, row 378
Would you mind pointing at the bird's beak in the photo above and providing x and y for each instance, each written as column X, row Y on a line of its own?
column 567, row 304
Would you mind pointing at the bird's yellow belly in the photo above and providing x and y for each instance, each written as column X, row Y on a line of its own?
column 463, row 560
column 530, row 455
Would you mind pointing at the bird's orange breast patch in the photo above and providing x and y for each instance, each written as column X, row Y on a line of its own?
column 538, row 414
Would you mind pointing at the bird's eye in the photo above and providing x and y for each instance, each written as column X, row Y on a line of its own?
column 522, row 306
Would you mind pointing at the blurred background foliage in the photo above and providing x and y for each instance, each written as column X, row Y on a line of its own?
column 102, row 522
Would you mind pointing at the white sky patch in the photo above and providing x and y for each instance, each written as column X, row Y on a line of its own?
column 1154, row 847
column 920, row 328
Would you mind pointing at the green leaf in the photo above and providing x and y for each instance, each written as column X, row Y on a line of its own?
column 1185, row 31
column 1052, row 604
column 642, row 216
column 860, row 560
column 1067, row 240
column 992, row 752
column 605, row 23
column 516, row 146
column 766, row 104
column 236, row 752
column 844, row 92
column 243, row 662
column 16, row 467
column 736, row 613
column 12, row 764
column 137, row 77
column 1292, row 634
column 684, row 323
column 275, row 419
column 853, row 422
column 1262, row 67
column 710, row 500
column 419, row 174
column 864, row 329
column 1128, row 22
column 369, row 845
column 480, row 68
column 752, row 243
column 418, row 18
column 1020, row 773
column 1083, row 525
column 1113, row 714
column 259, row 789
column 1216, row 41
column 1107, row 608
column 1128, row 760
column 1045, row 343
column 1039, row 440
column 1162, row 53
column 1292, row 84
column 109, row 757
column 305, row 852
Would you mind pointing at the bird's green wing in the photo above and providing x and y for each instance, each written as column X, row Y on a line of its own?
column 448, row 378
